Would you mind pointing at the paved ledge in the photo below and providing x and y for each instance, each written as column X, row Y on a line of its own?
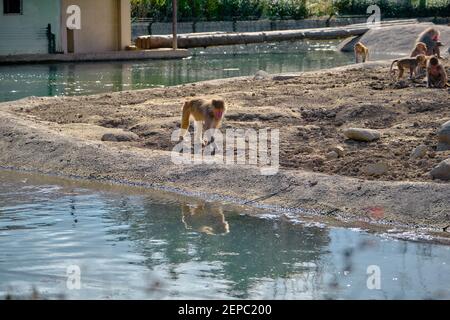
column 104, row 56
column 396, row 40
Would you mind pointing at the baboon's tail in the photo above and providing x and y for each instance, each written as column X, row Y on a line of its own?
column 392, row 65
column 186, row 113
column 185, row 116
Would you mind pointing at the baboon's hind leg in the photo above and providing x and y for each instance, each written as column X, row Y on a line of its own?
column 400, row 73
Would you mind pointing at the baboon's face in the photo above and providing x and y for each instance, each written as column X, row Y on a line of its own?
column 218, row 104
column 219, row 108
column 422, row 47
column 421, row 59
column 434, row 61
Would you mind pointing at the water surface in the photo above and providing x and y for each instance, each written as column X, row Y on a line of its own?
column 132, row 243
column 68, row 79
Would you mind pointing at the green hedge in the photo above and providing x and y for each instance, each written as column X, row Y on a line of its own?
column 392, row 9
column 220, row 10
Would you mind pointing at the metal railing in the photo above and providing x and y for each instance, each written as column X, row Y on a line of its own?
column 51, row 39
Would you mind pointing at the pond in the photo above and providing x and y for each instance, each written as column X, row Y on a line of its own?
column 73, row 239
column 68, row 79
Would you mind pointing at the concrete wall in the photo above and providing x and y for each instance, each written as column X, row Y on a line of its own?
column 398, row 41
column 125, row 23
column 160, row 28
column 25, row 33
column 105, row 25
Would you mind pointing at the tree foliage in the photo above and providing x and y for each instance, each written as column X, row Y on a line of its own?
column 217, row 10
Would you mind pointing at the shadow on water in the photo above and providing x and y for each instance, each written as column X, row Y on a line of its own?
column 131, row 243
column 72, row 79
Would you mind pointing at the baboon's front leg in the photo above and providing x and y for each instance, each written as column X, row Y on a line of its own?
column 411, row 72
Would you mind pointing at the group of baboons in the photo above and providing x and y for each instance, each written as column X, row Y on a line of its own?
column 425, row 56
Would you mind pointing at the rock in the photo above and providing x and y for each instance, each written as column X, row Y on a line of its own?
column 261, row 75
column 419, row 152
column 443, row 146
column 332, row 155
column 360, row 134
column 284, row 77
column 150, row 133
column 401, row 84
column 376, row 169
column 422, row 163
column 339, row 150
column 442, row 170
column 120, row 137
column 444, row 137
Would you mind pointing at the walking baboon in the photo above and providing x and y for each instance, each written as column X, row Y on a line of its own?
column 409, row 63
column 210, row 112
column 361, row 51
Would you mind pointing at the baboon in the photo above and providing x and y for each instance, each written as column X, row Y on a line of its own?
column 409, row 63
column 436, row 75
column 420, row 48
column 361, row 51
column 210, row 112
column 431, row 38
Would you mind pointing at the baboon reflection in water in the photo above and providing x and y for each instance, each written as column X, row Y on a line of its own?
column 205, row 217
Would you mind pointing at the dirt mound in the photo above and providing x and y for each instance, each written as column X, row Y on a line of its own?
column 311, row 111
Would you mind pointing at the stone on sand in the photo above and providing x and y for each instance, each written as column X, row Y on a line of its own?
column 376, row 169
column 419, row 152
column 444, row 137
column 442, row 170
column 339, row 150
column 361, row 134
column 332, row 155
column 261, row 75
column 120, row 137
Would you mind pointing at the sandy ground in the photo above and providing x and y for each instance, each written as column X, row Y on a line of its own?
column 311, row 110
